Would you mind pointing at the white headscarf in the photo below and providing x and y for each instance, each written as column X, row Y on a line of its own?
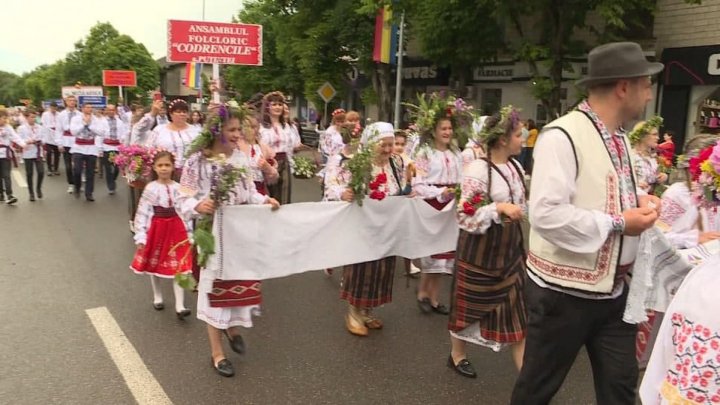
column 377, row 131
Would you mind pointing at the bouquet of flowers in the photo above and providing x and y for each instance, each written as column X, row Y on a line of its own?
column 470, row 206
column 705, row 175
column 378, row 187
column 664, row 164
column 223, row 179
column 135, row 163
column 303, row 167
column 360, row 167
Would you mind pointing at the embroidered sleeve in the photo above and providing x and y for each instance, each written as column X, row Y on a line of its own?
column 420, row 183
column 190, row 186
column 484, row 216
column 337, row 178
column 144, row 214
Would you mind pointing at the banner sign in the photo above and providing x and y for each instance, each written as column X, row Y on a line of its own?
column 210, row 42
column 82, row 91
column 124, row 78
column 254, row 243
column 95, row 101
column 46, row 103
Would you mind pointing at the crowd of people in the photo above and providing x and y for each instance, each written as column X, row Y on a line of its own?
column 586, row 215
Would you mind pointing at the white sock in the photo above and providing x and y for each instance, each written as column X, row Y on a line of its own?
column 179, row 297
column 157, row 293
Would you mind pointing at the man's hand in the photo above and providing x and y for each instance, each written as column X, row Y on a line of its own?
column 637, row 220
column 650, row 201
column 708, row 236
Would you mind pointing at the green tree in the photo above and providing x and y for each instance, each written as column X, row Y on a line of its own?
column 8, row 82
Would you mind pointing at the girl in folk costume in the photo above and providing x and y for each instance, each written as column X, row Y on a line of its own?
column 259, row 156
column 33, row 154
column 161, row 235
column 438, row 166
column 8, row 136
column 367, row 285
column 331, row 140
column 487, row 306
column 644, row 138
column 212, row 155
column 278, row 134
column 175, row 136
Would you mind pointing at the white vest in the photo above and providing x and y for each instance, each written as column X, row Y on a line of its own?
column 597, row 189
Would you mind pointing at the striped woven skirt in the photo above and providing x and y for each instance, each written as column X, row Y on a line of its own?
column 368, row 284
column 487, row 288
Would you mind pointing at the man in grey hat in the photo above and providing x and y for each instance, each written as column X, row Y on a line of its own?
column 586, row 214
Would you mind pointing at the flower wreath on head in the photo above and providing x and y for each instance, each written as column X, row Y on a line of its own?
column 430, row 109
column 337, row 111
column 705, row 176
column 635, row 136
column 153, row 152
column 214, row 125
column 509, row 120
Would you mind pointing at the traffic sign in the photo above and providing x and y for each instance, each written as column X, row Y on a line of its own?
column 95, row 101
column 326, row 92
column 124, row 78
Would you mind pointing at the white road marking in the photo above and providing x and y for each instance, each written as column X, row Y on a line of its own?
column 143, row 385
column 19, row 178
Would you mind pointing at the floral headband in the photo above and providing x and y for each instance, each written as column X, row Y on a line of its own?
column 498, row 126
column 431, row 109
column 177, row 104
column 338, row 112
column 636, row 135
column 214, row 126
column 153, row 152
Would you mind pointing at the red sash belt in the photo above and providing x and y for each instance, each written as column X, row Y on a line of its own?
column 80, row 141
column 67, row 133
column 164, row 212
column 10, row 154
column 113, row 142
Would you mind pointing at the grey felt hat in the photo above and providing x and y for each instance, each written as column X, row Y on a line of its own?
column 617, row 60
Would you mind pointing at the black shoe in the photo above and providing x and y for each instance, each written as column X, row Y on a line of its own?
column 11, row 200
column 182, row 314
column 89, row 198
column 441, row 309
column 224, row 367
column 32, row 198
column 158, row 306
column 236, row 343
column 39, row 195
column 425, row 305
column 464, row 368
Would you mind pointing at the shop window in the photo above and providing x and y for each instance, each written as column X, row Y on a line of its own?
column 491, row 100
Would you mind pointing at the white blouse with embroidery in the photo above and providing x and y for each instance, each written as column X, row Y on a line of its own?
column 176, row 142
column 338, row 176
column 434, row 168
column 256, row 153
column 280, row 139
column 681, row 214
column 156, row 194
column 475, row 181
column 331, row 142
column 646, row 170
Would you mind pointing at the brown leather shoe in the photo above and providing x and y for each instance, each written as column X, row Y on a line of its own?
column 355, row 327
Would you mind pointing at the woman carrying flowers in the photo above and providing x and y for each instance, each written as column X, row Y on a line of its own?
column 366, row 285
column 487, row 305
column 215, row 174
column 644, row 139
column 438, row 168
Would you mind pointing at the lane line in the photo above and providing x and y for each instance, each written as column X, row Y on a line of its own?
column 143, row 385
column 19, row 178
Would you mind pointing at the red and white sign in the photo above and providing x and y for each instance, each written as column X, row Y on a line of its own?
column 209, row 42
column 124, row 78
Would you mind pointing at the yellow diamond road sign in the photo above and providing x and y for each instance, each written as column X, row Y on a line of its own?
column 327, row 92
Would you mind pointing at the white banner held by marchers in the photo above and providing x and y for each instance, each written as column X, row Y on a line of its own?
column 255, row 243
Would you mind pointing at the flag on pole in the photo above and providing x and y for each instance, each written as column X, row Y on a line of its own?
column 386, row 41
column 193, row 79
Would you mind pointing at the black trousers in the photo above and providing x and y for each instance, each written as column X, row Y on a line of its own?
column 53, row 158
column 30, row 166
column 559, row 325
column 5, row 179
column 68, row 161
column 111, row 171
column 84, row 162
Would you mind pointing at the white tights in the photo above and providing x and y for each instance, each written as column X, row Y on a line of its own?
column 178, row 291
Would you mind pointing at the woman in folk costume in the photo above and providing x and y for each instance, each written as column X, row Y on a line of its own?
column 644, row 139
column 487, row 305
column 438, row 165
column 33, row 154
column 281, row 138
column 161, row 235
column 213, row 159
column 260, row 156
column 331, row 142
column 175, row 136
column 474, row 149
column 367, row 285
column 683, row 368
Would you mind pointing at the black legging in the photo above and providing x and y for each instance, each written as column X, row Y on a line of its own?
column 30, row 165
column 53, row 158
column 68, row 160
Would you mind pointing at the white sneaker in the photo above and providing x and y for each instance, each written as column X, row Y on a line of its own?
column 71, row 189
column 414, row 269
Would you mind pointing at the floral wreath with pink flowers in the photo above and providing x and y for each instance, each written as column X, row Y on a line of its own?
column 705, row 176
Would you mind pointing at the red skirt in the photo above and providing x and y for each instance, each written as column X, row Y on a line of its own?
column 167, row 251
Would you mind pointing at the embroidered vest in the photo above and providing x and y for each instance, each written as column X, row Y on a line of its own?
column 597, row 189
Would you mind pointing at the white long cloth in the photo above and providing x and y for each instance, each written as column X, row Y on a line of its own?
column 254, row 243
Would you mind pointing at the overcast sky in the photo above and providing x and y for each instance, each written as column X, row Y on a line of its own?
column 35, row 32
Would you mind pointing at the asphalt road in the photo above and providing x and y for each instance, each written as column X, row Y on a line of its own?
column 60, row 257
